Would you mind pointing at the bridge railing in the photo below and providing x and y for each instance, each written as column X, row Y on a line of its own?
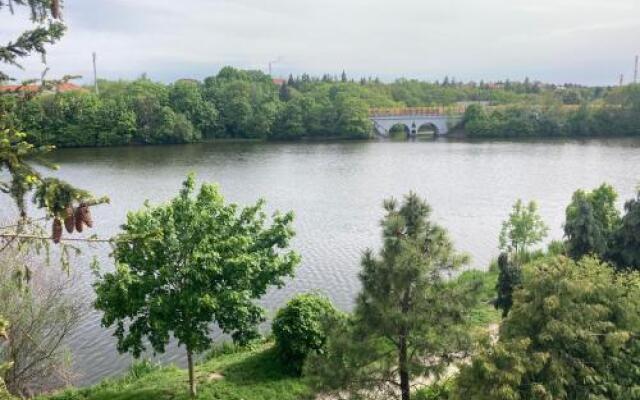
column 422, row 111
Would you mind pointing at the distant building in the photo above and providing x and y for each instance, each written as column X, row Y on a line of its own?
column 61, row 88
column 278, row 81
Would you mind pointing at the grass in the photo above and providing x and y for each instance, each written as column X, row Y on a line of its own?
column 484, row 313
column 255, row 373
column 249, row 374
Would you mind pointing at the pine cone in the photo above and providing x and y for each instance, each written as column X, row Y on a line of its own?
column 55, row 9
column 69, row 223
column 86, row 215
column 78, row 219
column 56, row 230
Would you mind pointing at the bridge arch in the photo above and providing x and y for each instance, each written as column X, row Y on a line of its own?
column 400, row 128
column 428, row 127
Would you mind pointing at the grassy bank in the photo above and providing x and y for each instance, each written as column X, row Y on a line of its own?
column 250, row 374
column 242, row 374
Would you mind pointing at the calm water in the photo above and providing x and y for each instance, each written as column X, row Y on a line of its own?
column 336, row 191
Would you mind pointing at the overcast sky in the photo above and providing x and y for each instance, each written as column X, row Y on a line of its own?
column 583, row 41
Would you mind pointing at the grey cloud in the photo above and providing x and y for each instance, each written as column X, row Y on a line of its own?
column 471, row 39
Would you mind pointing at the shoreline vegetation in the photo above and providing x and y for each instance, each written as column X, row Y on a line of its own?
column 250, row 105
column 252, row 372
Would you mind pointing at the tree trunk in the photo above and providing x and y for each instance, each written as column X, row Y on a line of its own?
column 405, row 387
column 192, row 381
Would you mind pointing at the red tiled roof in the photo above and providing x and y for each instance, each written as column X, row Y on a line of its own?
column 278, row 81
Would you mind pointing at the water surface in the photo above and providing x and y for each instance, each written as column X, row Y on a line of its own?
column 336, row 191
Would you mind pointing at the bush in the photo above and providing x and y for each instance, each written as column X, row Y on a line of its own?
column 140, row 368
column 571, row 334
column 436, row 391
column 298, row 328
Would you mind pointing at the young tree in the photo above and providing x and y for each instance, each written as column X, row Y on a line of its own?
column 195, row 261
column 42, row 316
column 408, row 319
column 591, row 218
column 572, row 333
column 509, row 278
column 524, row 228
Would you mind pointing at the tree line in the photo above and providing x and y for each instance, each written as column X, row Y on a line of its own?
column 248, row 104
column 616, row 114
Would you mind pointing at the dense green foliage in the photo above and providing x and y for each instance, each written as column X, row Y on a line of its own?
column 298, row 328
column 182, row 266
column 625, row 242
column 571, row 334
column 590, row 220
column 405, row 313
column 615, row 114
column 248, row 104
column 594, row 226
column 232, row 104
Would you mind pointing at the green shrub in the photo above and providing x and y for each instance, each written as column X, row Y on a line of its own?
column 436, row 391
column 298, row 328
column 140, row 368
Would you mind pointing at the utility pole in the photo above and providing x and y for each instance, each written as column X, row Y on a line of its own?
column 276, row 61
column 635, row 71
column 621, row 79
column 95, row 74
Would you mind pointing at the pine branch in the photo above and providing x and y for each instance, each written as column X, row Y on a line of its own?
column 43, row 237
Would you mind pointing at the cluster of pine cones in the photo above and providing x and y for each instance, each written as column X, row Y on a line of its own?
column 74, row 219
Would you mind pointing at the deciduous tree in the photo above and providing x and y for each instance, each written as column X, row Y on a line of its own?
column 182, row 266
column 523, row 228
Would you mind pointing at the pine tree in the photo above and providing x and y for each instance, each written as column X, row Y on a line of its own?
column 406, row 312
column 284, row 93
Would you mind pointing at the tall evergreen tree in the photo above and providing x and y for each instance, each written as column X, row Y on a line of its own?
column 405, row 314
column 509, row 278
column 284, row 93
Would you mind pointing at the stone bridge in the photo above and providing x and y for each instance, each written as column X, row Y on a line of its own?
column 437, row 119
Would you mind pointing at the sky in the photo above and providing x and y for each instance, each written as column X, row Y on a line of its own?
column 579, row 41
